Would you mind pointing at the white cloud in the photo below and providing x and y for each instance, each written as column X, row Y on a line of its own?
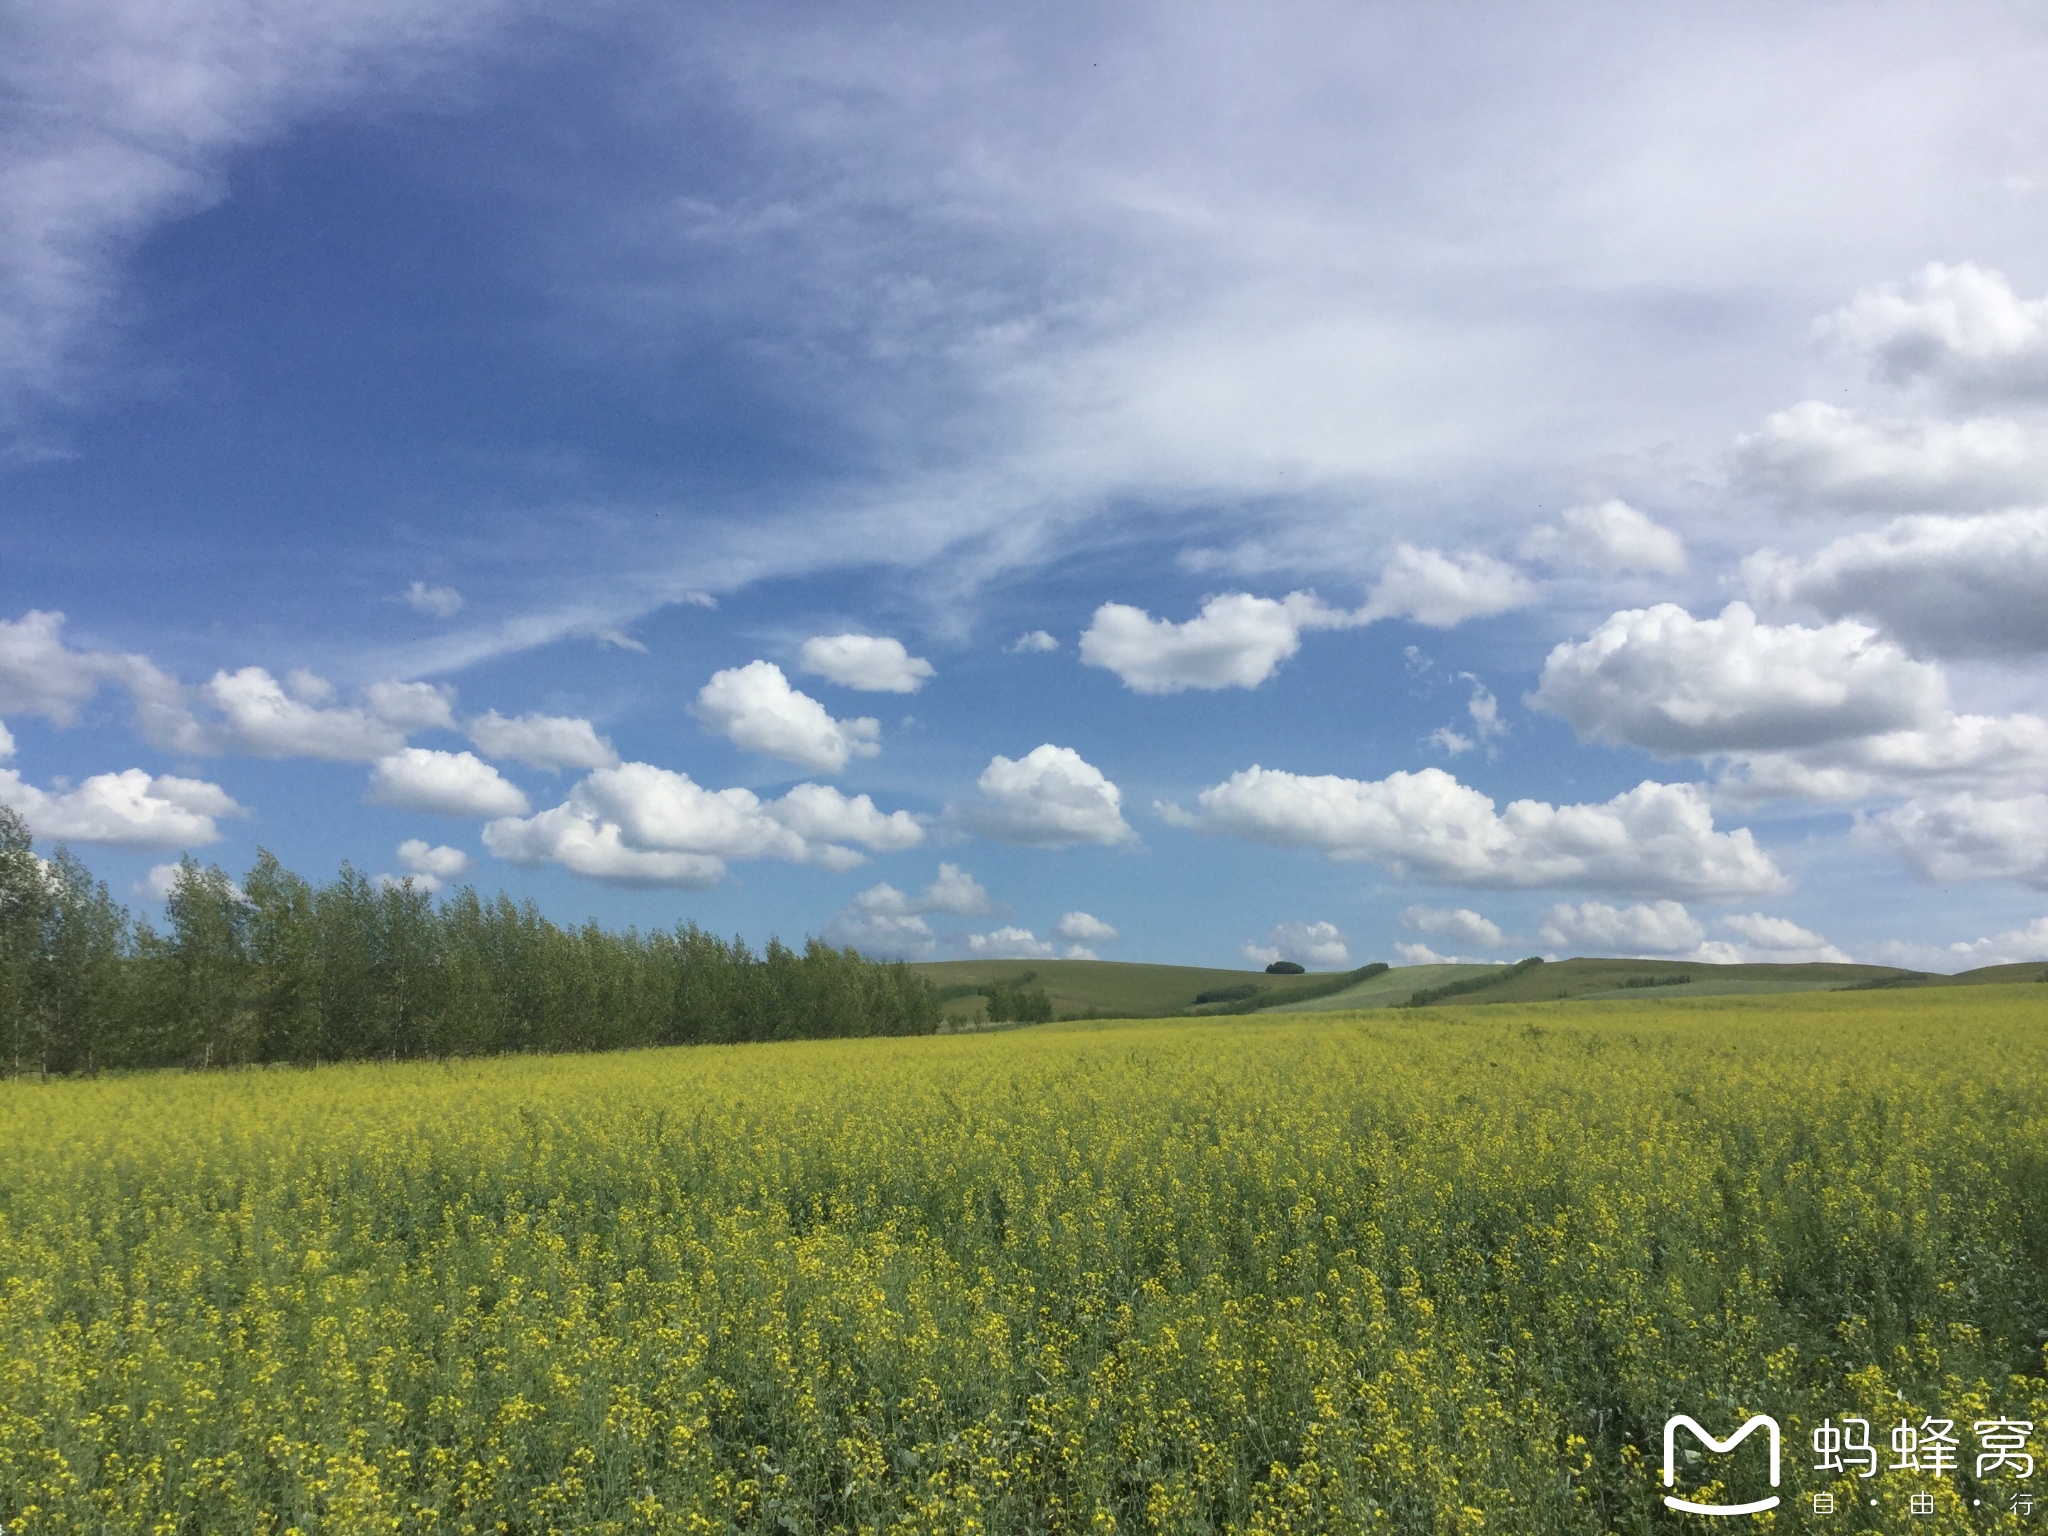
column 542, row 741
column 2012, row 947
column 1442, row 590
column 1779, row 941
column 1951, row 586
column 637, row 824
column 441, row 602
column 40, row 675
column 871, row 663
column 6, row 742
column 409, row 706
column 258, row 717
column 575, row 837
column 1033, row 642
column 1607, row 536
column 1655, row 839
column 129, row 809
column 1651, row 928
column 1083, row 928
column 1009, row 944
column 1988, row 754
column 1238, row 641
column 437, row 863
column 882, row 920
column 892, row 935
column 954, row 892
column 1049, row 798
column 1304, row 943
column 821, row 814
column 1836, row 713
column 1451, row 740
column 756, row 709
column 158, row 884
column 1484, row 711
column 1235, row 642
column 444, row 783
column 1660, row 679
column 1961, row 327
column 1461, row 925
column 1406, row 954
column 1823, row 457
column 1951, row 839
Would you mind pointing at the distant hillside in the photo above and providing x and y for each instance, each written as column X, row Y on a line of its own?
column 1119, row 989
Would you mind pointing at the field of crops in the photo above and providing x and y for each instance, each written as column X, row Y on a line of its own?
column 1416, row 1271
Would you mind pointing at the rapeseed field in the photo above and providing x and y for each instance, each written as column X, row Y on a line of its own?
column 1438, row 1271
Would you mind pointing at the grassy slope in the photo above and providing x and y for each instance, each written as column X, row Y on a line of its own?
column 1111, row 987
column 1125, row 990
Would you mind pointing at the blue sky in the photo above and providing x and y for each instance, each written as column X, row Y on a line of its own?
column 1481, row 481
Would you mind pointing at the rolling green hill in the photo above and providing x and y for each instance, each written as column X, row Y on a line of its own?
column 1119, row 989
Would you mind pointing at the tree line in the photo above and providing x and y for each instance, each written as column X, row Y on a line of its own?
column 278, row 969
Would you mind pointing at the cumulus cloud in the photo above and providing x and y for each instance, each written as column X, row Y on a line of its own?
column 41, row 675
column 756, row 709
column 1949, row 839
column 1412, row 954
column 1660, row 679
column 1836, row 713
column 582, row 842
column 1826, row 458
column 409, row 706
column 435, row 863
column 1460, row 925
column 2012, row 947
column 819, row 813
column 1304, row 943
column 130, row 809
column 637, row 824
column 1960, row 327
column 882, row 920
column 6, row 742
column 871, row 663
column 1033, row 642
column 1049, row 798
column 542, row 741
column 250, row 710
column 895, row 935
column 1774, row 940
column 1442, row 590
column 1008, row 944
column 1237, row 641
column 1988, row 754
column 1649, row 928
column 260, row 718
column 1654, row 840
column 443, row 783
column 441, row 602
column 1483, row 710
column 1083, row 928
column 1950, row 586
column 1607, row 536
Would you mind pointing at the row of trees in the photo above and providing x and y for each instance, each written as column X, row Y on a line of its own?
column 278, row 969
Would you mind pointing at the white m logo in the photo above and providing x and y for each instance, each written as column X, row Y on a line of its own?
column 1757, row 1507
